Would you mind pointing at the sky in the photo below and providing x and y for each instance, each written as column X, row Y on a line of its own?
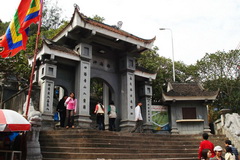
column 196, row 27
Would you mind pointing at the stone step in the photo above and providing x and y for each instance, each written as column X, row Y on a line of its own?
column 142, row 136
column 109, row 133
column 116, row 141
column 74, row 144
column 117, row 155
column 104, row 145
column 191, row 158
column 117, row 150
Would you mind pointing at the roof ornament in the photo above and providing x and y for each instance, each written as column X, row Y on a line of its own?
column 76, row 6
column 119, row 24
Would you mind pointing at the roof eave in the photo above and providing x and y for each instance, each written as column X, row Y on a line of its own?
column 79, row 21
column 145, row 74
column 188, row 98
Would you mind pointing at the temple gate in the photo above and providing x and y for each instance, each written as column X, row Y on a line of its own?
column 86, row 49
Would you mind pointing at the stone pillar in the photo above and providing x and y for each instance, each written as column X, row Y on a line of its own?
column 148, row 115
column 46, row 103
column 106, row 103
column 33, row 145
column 82, row 84
column 47, row 74
column 174, row 128
column 206, row 123
column 128, row 101
column 146, row 94
column 127, row 68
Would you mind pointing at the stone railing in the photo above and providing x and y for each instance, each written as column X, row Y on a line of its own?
column 232, row 128
column 229, row 124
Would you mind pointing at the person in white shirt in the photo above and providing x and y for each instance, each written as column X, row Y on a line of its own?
column 99, row 111
column 138, row 119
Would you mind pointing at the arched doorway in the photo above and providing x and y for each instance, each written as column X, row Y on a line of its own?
column 59, row 92
column 100, row 91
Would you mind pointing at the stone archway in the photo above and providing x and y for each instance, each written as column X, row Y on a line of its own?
column 59, row 92
column 101, row 91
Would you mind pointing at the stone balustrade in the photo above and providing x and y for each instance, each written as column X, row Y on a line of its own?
column 229, row 124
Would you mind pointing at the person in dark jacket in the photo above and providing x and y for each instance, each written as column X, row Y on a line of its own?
column 61, row 108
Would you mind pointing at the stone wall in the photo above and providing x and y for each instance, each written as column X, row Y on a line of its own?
column 229, row 124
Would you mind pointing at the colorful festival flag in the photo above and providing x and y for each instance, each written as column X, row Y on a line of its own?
column 15, row 38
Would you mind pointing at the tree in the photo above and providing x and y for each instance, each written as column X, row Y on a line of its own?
column 52, row 18
column 219, row 65
column 220, row 70
column 151, row 60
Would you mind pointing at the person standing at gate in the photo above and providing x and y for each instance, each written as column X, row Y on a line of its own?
column 138, row 119
column 61, row 108
column 99, row 111
column 112, row 114
column 71, row 104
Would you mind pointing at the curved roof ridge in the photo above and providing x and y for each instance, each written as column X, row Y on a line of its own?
column 105, row 26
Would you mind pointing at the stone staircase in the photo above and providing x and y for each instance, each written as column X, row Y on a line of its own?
column 79, row 144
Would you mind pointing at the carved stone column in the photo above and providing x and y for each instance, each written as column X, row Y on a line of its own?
column 47, row 74
column 146, row 94
column 127, row 67
column 83, row 85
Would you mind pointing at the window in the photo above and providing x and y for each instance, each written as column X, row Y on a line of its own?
column 130, row 63
column 50, row 71
column 189, row 113
column 86, row 51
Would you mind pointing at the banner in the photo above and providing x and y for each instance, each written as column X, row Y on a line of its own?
column 15, row 38
column 160, row 118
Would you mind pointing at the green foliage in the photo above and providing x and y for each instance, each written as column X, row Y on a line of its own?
column 98, row 18
column 49, row 34
column 220, row 70
column 15, row 71
column 3, row 27
column 151, row 60
column 219, row 65
column 96, row 89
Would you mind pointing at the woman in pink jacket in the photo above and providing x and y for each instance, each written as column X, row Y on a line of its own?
column 71, row 106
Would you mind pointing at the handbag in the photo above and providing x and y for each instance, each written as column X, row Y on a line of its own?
column 56, row 116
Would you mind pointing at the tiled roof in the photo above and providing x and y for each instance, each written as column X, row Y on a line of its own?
column 108, row 27
column 188, row 89
column 55, row 46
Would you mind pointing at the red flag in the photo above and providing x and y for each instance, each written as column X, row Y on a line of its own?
column 16, row 36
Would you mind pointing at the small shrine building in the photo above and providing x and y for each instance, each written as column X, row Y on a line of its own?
column 188, row 109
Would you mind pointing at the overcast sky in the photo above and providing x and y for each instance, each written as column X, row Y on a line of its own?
column 198, row 26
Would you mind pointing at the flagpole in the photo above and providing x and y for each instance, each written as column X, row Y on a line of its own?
column 34, row 60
